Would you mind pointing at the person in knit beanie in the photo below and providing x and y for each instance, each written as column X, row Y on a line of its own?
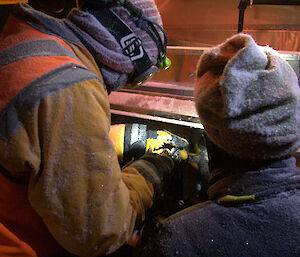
column 62, row 189
column 248, row 100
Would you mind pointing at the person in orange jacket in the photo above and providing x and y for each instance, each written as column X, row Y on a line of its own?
column 62, row 190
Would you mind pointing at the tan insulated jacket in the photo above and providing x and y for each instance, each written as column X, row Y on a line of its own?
column 54, row 139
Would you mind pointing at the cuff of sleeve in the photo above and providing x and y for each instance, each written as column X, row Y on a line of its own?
column 141, row 191
column 156, row 169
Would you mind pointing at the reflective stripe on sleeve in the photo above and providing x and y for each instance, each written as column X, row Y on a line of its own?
column 21, row 106
column 44, row 47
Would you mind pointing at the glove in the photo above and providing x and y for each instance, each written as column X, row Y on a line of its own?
column 134, row 140
column 155, row 168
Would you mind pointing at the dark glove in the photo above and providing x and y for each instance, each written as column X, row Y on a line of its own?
column 155, row 168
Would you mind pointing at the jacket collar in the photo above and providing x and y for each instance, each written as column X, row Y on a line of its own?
column 277, row 176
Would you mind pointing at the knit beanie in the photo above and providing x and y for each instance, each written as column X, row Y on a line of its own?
column 115, row 67
column 248, row 99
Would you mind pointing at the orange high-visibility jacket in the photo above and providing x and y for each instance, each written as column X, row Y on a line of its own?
column 60, row 180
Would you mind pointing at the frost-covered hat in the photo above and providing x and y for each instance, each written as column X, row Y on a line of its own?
column 248, row 99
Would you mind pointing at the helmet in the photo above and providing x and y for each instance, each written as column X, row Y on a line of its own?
column 55, row 8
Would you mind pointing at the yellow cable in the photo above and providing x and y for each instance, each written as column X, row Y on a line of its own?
column 234, row 198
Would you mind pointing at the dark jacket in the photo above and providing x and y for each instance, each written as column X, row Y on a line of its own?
column 266, row 224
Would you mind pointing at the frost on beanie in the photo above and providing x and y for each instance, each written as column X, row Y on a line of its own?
column 114, row 65
column 248, row 99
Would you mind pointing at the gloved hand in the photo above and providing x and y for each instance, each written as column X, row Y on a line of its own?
column 155, row 168
column 133, row 140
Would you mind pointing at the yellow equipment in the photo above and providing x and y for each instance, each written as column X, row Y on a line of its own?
column 134, row 140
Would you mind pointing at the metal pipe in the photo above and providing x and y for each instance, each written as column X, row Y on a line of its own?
column 241, row 20
column 242, row 7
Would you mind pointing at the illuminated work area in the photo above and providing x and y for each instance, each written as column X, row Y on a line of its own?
column 193, row 27
column 149, row 128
